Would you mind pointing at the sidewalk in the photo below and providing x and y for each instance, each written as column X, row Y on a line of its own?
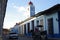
column 53, row 38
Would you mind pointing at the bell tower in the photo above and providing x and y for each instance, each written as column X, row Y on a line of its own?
column 31, row 9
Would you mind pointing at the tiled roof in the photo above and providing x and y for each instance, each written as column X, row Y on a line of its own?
column 25, row 20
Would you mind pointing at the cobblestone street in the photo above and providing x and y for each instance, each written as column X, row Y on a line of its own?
column 25, row 38
column 30, row 38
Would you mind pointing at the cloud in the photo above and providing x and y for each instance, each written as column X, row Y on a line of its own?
column 15, row 7
column 13, row 18
column 22, row 10
column 19, row 8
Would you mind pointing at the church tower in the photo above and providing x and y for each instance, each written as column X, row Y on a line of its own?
column 31, row 9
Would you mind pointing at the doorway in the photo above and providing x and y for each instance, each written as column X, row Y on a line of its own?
column 50, row 26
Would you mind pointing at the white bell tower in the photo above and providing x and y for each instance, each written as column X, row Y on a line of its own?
column 31, row 9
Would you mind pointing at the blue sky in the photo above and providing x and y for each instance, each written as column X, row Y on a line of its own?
column 16, row 10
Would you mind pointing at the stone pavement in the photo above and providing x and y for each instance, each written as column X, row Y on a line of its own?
column 53, row 38
column 30, row 38
column 25, row 38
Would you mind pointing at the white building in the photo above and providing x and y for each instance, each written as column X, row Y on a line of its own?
column 30, row 9
column 13, row 34
column 49, row 18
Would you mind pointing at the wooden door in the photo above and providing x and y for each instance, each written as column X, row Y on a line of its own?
column 50, row 26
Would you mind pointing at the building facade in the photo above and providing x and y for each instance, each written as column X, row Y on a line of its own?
column 49, row 18
column 3, row 4
column 14, row 34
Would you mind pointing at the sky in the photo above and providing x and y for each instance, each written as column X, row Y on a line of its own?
column 16, row 10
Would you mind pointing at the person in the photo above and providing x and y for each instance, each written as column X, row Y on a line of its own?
column 32, row 32
column 37, row 34
column 36, row 29
column 43, row 35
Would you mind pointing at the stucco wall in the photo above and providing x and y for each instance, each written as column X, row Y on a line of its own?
column 45, row 23
column 55, row 22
